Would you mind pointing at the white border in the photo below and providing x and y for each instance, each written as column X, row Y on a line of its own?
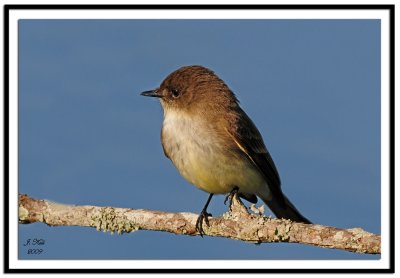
column 15, row 15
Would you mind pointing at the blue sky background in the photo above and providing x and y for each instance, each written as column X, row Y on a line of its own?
column 86, row 137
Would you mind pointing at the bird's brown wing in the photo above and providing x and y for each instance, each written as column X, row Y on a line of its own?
column 248, row 139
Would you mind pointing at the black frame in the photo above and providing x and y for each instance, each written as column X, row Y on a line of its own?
column 389, row 8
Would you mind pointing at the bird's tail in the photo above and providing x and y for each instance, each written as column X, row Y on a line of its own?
column 285, row 209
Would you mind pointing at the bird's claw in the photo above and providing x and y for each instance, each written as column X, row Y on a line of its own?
column 230, row 196
column 199, row 223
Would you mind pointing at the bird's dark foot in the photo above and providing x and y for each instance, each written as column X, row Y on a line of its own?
column 199, row 223
column 203, row 216
column 230, row 196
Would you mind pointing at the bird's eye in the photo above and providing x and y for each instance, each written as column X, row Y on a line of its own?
column 175, row 93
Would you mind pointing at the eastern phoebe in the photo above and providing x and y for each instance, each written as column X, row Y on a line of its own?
column 214, row 144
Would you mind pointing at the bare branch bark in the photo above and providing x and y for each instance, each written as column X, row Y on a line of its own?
column 237, row 224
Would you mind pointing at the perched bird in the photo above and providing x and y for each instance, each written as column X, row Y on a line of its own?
column 214, row 144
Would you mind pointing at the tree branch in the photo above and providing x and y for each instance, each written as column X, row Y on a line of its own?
column 237, row 224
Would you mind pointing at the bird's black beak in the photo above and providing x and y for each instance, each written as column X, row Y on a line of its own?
column 151, row 93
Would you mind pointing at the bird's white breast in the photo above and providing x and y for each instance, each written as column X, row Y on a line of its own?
column 201, row 157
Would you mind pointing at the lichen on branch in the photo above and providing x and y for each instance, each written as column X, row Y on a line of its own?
column 237, row 224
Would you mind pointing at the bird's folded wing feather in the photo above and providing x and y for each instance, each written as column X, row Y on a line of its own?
column 248, row 139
